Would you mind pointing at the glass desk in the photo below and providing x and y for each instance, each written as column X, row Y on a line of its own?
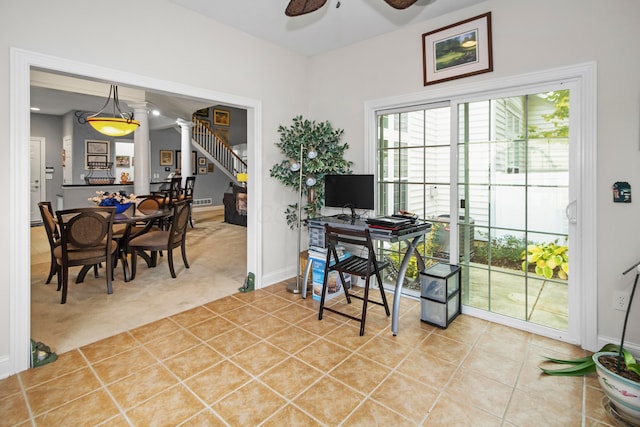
column 412, row 235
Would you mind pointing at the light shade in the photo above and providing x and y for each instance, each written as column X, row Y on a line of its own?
column 113, row 126
column 242, row 177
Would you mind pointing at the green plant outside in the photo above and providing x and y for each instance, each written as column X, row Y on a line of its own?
column 504, row 251
column 394, row 254
column 549, row 260
column 544, row 259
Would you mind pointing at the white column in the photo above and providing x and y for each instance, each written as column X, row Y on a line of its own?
column 185, row 147
column 141, row 150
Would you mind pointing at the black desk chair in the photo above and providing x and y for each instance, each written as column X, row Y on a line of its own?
column 356, row 265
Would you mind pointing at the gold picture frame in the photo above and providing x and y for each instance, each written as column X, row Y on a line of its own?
column 221, row 118
column 166, row 157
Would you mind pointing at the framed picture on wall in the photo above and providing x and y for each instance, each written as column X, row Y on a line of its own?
column 458, row 50
column 193, row 160
column 202, row 161
column 166, row 158
column 96, row 151
column 202, row 170
column 221, row 118
column 123, row 161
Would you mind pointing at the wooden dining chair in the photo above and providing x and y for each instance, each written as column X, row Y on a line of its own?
column 172, row 194
column 53, row 235
column 86, row 238
column 361, row 266
column 159, row 240
column 187, row 194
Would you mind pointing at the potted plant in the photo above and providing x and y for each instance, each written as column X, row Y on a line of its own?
column 618, row 371
column 297, row 141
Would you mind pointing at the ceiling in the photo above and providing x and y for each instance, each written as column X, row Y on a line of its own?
column 328, row 28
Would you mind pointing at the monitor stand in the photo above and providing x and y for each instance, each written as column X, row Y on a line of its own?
column 352, row 217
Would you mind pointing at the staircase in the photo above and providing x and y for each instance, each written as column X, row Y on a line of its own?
column 216, row 150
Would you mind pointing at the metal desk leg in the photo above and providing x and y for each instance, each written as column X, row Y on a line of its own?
column 399, row 281
column 305, row 278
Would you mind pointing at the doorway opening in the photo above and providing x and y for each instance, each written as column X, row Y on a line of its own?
column 22, row 63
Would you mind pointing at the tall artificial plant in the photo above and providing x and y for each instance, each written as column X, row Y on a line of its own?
column 296, row 141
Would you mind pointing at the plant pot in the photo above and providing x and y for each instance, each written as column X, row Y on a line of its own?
column 623, row 394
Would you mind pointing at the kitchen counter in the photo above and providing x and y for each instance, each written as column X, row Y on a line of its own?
column 77, row 195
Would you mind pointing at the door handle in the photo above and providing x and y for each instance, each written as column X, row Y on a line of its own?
column 570, row 212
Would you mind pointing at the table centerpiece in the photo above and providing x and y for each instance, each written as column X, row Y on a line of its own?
column 120, row 200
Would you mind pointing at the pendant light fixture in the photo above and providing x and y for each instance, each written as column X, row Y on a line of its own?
column 120, row 124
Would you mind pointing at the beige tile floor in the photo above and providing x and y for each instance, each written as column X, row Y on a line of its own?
column 263, row 358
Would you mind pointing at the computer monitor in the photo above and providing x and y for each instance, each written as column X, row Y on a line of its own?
column 349, row 191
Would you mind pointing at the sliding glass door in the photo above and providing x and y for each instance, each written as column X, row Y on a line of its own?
column 513, row 188
column 498, row 209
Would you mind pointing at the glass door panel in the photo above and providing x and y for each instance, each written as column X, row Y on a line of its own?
column 514, row 183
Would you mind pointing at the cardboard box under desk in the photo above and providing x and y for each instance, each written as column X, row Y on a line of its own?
column 334, row 284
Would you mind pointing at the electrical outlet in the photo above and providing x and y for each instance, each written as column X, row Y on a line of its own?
column 621, row 300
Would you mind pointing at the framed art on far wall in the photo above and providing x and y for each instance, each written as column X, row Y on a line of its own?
column 459, row 50
column 193, row 161
column 202, row 170
column 123, row 161
column 96, row 151
column 202, row 161
column 221, row 118
column 166, row 158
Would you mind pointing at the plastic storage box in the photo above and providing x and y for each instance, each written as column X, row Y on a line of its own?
column 440, row 294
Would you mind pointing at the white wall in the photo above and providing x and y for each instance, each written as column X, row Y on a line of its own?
column 160, row 40
column 527, row 36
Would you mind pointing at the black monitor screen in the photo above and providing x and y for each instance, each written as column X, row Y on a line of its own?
column 349, row 191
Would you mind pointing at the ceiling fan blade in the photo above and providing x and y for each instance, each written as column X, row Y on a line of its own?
column 400, row 4
column 301, row 7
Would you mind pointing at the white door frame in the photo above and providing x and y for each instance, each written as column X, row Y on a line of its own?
column 42, row 184
column 585, row 104
column 21, row 62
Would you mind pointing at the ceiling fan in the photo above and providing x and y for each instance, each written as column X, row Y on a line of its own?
column 301, row 7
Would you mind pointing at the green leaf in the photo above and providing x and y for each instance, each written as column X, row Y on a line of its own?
column 628, row 357
column 569, row 361
column 575, row 370
column 634, row 367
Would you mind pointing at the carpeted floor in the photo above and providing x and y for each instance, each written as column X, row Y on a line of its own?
column 217, row 255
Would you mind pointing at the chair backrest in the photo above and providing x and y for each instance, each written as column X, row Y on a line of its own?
column 178, row 229
column 336, row 236
column 46, row 211
column 149, row 202
column 88, row 231
column 189, row 185
column 175, row 189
